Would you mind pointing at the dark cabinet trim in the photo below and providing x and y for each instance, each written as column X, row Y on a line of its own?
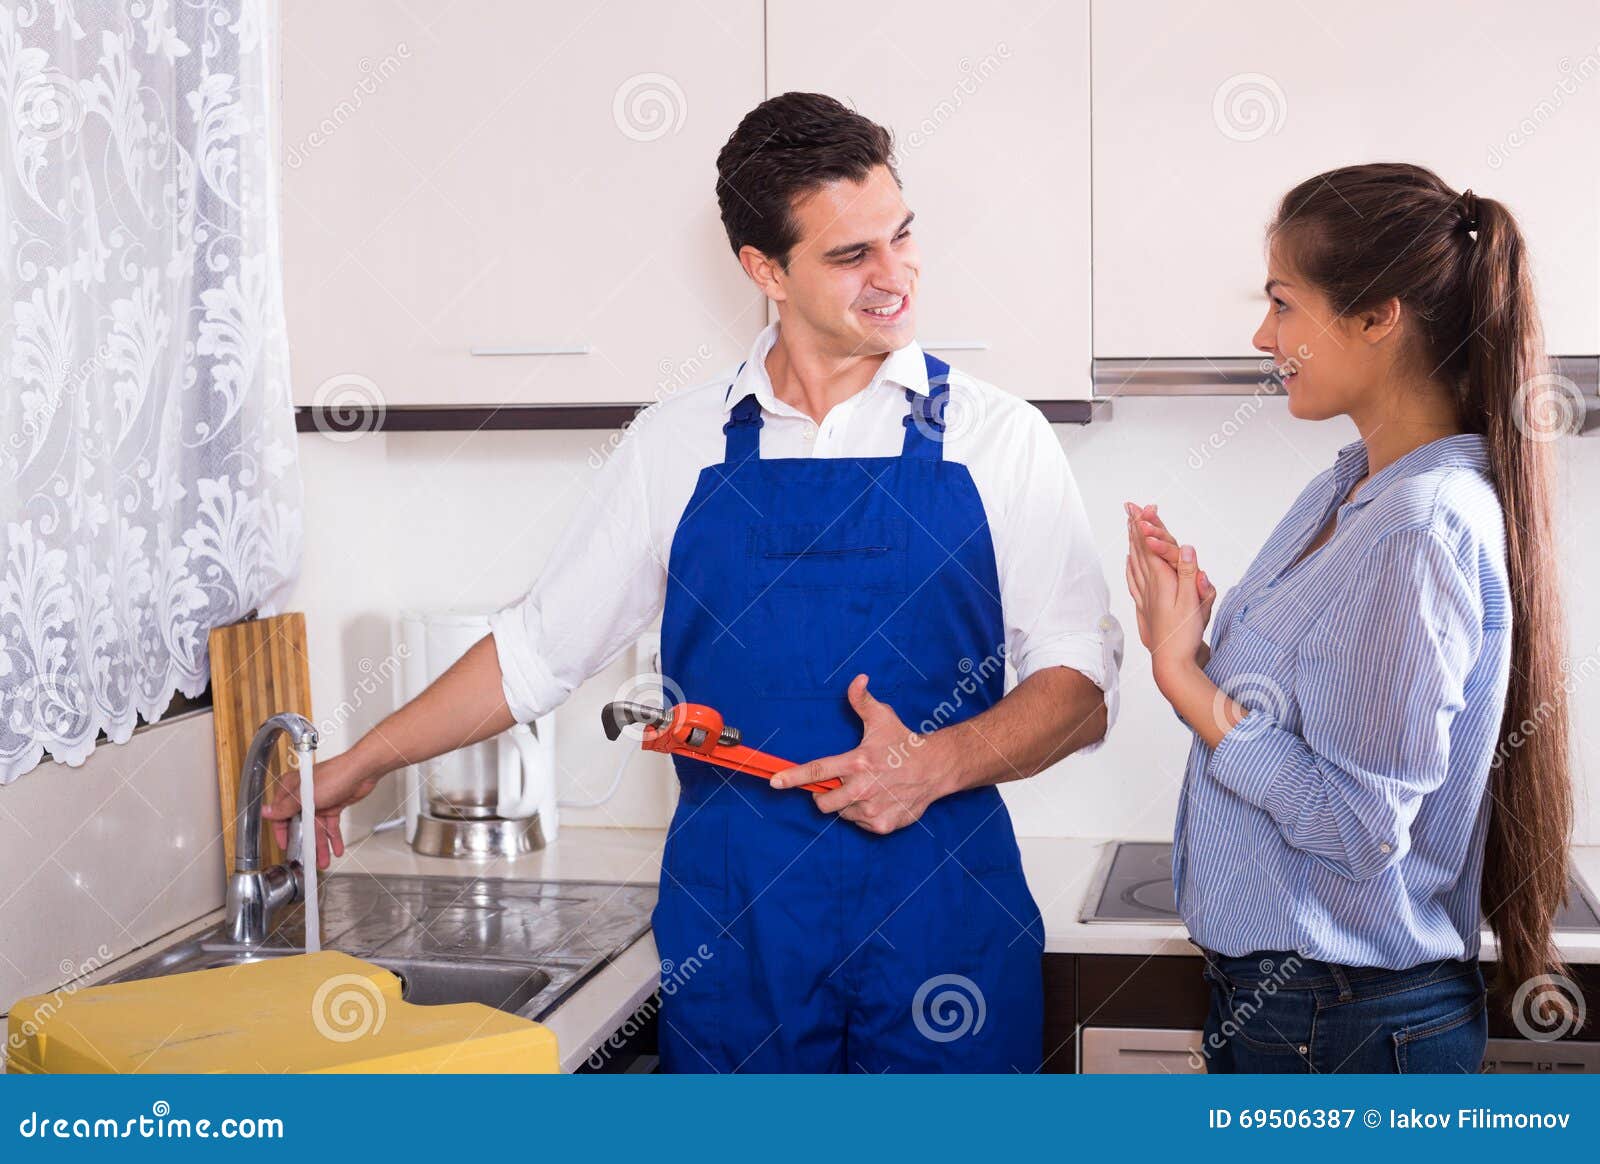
column 337, row 421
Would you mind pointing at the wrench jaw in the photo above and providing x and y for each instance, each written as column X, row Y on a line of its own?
column 616, row 716
column 689, row 728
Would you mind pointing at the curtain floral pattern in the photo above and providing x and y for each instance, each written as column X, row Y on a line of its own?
column 148, row 483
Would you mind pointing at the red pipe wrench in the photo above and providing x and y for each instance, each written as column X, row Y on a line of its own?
column 697, row 731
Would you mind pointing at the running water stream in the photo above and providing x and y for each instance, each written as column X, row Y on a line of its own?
column 308, row 850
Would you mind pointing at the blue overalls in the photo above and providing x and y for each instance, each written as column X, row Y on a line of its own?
column 792, row 940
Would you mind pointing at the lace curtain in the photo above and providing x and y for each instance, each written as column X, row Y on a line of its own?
column 148, row 483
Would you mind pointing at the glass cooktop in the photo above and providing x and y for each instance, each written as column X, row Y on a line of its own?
column 1135, row 885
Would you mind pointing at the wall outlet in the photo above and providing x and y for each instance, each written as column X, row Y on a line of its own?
column 647, row 654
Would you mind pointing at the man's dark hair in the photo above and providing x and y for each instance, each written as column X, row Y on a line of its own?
column 785, row 148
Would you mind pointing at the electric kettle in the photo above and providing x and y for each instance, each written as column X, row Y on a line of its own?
column 495, row 798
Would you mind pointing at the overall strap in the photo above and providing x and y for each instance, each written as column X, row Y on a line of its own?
column 925, row 420
column 743, row 428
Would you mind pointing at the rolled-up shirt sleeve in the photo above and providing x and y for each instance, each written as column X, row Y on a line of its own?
column 1052, row 587
column 1378, row 685
column 601, row 589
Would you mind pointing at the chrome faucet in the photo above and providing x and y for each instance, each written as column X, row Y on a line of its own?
column 255, row 893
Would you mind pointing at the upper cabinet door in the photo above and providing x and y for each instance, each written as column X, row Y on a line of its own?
column 516, row 178
column 989, row 107
column 1204, row 115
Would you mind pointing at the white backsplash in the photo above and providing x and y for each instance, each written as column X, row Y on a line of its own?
column 99, row 859
column 465, row 520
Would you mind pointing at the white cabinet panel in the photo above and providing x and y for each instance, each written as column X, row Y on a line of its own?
column 1204, row 115
column 504, row 175
column 989, row 107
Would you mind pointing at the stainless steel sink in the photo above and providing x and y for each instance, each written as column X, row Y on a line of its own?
column 519, row 946
column 507, row 988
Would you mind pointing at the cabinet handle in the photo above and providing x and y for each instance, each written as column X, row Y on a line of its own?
column 1220, row 376
column 534, row 350
column 956, row 346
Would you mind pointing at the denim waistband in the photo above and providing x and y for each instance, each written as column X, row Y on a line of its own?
column 1288, row 970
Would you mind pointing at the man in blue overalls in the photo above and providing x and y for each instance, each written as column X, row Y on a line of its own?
column 846, row 540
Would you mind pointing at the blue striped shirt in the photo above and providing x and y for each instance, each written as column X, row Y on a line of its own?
column 1345, row 816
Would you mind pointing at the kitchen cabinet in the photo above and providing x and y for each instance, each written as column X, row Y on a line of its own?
column 1124, row 1013
column 1205, row 114
column 989, row 107
column 533, row 182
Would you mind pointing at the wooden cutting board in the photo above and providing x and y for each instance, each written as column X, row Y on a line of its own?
column 259, row 667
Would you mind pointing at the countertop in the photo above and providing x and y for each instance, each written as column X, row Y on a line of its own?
column 1061, row 872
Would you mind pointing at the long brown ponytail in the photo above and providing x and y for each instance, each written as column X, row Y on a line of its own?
column 1364, row 235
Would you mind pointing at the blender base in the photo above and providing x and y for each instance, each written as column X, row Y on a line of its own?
column 438, row 836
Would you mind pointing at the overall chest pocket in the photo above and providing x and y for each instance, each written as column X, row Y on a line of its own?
column 827, row 600
column 841, row 555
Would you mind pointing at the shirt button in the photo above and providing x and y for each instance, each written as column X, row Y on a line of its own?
column 810, row 433
column 1385, row 847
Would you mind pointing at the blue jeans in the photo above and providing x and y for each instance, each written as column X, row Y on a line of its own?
column 1275, row 1012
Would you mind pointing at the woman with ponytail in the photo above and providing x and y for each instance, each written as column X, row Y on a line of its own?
column 1365, row 779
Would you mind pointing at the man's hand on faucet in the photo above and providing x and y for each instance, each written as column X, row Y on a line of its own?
column 464, row 705
column 340, row 782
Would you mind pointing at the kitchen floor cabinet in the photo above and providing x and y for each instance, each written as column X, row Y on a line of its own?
column 1137, row 1014
column 1115, row 1013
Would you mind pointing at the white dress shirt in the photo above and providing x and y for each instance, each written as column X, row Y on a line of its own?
column 606, row 579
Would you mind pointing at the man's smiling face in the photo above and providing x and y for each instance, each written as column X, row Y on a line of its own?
column 851, row 280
